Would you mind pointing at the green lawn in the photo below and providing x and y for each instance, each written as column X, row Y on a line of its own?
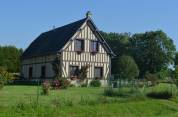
column 21, row 101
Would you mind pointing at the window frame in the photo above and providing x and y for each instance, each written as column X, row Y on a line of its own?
column 94, row 49
column 77, row 67
column 82, row 48
column 101, row 72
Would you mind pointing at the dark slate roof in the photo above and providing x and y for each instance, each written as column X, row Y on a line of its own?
column 53, row 40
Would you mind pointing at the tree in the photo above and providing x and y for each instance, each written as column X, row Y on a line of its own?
column 176, row 59
column 119, row 43
column 175, row 75
column 10, row 58
column 152, row 51
column 128, row 69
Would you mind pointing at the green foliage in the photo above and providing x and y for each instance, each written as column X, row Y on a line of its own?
column 56, row 64
column 4, row 77
column 162, row 91
column 10, row 58
column 95, row 83
column 152, row 51
column 119, row 43
column 176, row 59
column 127, row 67
column 164, row 73
column 175, row 75
column 1, row 83
column 64, row 83
column 82, row 75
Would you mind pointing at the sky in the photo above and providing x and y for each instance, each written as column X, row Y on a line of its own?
column 21, row 21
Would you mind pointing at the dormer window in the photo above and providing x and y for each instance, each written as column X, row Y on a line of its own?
column 94, row 46
column 79, row 45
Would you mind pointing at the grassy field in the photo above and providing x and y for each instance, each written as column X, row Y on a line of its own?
column 21, row 101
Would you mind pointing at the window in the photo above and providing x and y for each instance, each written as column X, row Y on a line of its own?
column 79, row 45
column 74, row 70
column 98, row 72
column 43, row 71
column 94, row 46
column 30, row 72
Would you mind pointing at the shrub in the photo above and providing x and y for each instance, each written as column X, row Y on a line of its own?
column 64, row 83
column 60, row 83
column 55, row 84
column 128, row 68
column 5, row 76
column 45, row 87
column 160, row 95
column 95, row 83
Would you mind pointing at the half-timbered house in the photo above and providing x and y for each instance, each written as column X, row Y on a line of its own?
column 78, row 44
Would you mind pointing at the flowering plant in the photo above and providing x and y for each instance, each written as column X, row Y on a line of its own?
column 45, row 87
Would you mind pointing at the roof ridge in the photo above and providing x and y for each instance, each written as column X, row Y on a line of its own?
column 65, row 25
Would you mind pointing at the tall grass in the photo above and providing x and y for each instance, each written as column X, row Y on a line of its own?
column 80, row 102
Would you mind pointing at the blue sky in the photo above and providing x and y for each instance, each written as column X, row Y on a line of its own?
column 21, row 21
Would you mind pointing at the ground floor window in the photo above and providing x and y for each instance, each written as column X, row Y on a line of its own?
column 98, row 73
column 30, row 72
column 73, row 71
column 43, row 71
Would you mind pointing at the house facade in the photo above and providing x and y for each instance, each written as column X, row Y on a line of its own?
column 78, row 44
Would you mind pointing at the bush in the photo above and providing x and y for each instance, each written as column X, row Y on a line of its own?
column 55, row 84
column 5, row 76
column 64, row 83
column 60, row 83
column 160, row 95
column 95, row 83
column 45, row 87
column 128, row 68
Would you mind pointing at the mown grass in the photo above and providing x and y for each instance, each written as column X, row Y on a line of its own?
column 21, row 101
